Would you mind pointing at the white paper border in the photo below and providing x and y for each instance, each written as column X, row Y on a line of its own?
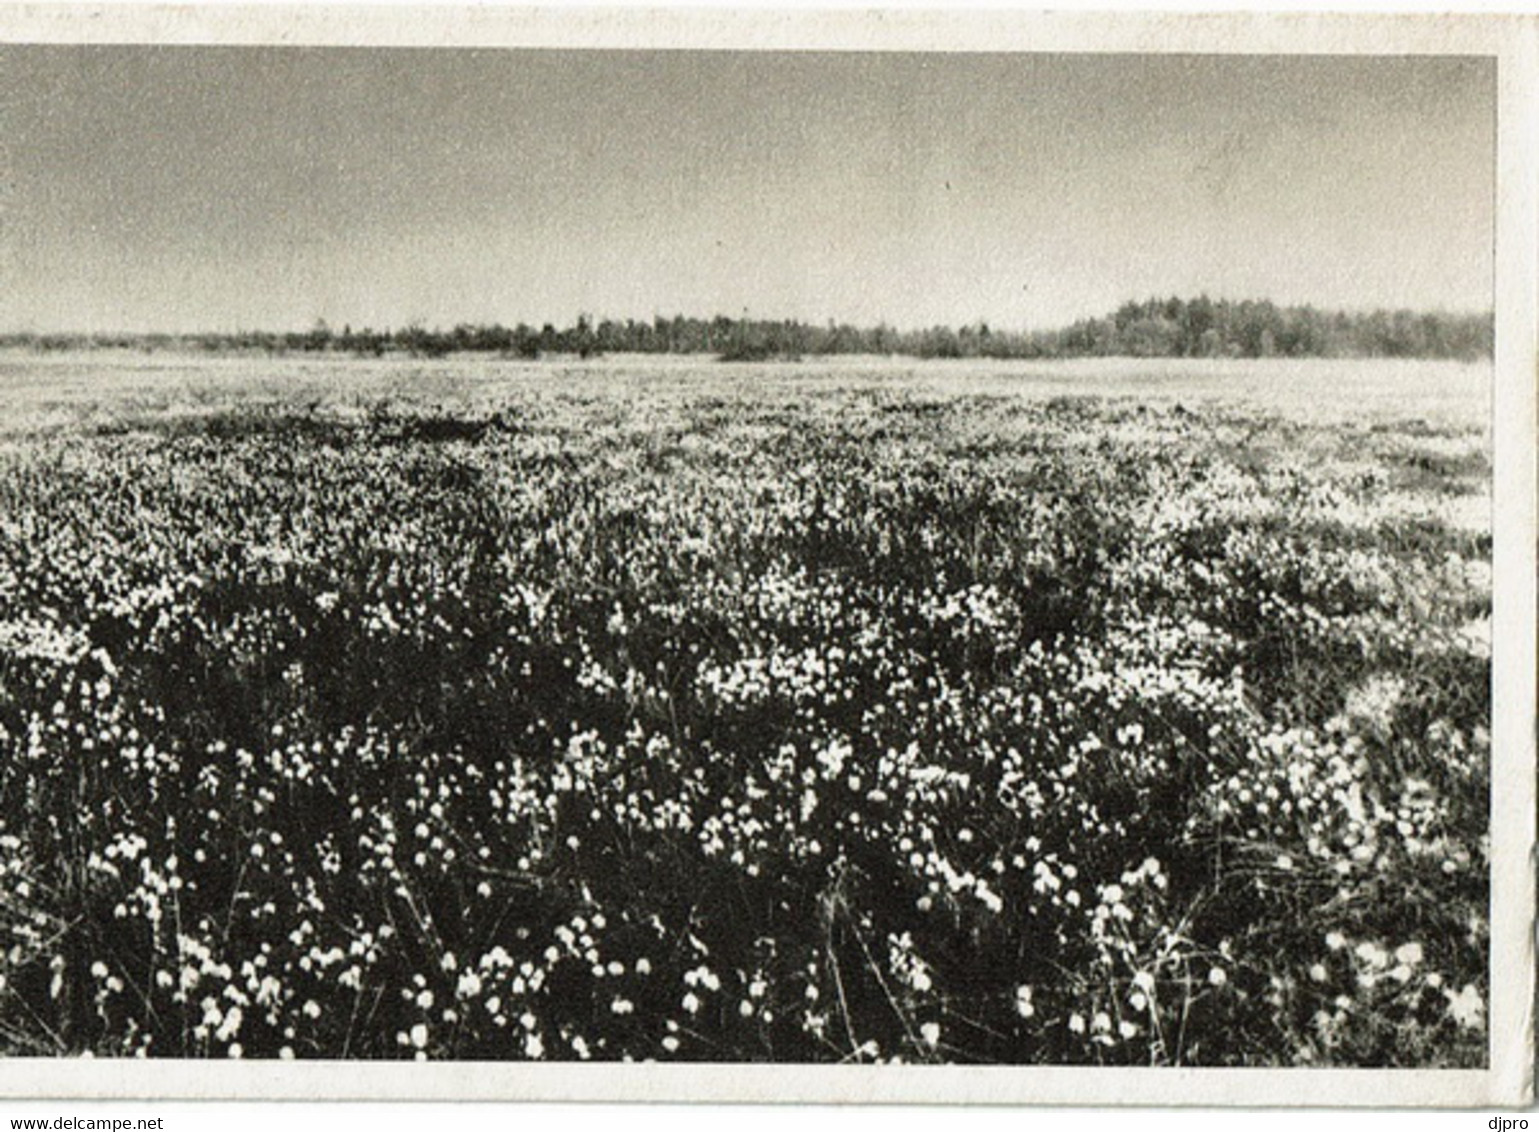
column 1512, row 39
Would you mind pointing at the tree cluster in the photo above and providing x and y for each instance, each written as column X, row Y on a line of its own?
column 1174, row 327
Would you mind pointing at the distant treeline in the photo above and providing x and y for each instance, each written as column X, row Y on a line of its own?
column 1155, row 328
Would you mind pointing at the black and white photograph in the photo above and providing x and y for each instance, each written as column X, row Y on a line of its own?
column 663, row 557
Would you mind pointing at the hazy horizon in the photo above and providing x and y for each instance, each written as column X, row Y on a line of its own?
column 596, row 317
column 216, row 189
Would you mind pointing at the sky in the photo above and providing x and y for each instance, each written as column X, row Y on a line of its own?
column 224, row 188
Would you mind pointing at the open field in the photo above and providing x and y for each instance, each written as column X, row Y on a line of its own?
column 37, row 390
column 1092, row 713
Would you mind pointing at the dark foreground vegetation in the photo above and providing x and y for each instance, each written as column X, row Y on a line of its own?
column 1197, row 328
column 841, row 726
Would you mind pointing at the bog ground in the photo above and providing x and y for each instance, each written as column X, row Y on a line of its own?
column 1113, row 712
